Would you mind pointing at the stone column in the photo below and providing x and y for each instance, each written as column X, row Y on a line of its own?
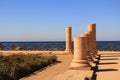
column 90, row 55
column 88, row 42
column 69, row 39
column 92, row 28
column 80, row 61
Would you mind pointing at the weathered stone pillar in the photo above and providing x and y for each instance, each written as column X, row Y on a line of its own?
column 92, row 28
column 69, row 39
column 88, row 36
column 80, row 53
column 90, row 55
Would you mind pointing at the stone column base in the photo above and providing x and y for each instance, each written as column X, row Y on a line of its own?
column 80, row 65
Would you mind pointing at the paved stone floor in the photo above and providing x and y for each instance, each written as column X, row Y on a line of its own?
column 109, row 66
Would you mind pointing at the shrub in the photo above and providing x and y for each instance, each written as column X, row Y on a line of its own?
column 16, row 66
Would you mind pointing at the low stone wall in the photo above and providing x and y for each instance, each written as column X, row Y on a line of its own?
column 33, row 52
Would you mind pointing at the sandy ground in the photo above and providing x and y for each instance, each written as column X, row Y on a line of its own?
column 51, row 71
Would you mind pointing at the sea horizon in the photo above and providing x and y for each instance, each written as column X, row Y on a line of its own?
column 54, row 45
column 61, row 41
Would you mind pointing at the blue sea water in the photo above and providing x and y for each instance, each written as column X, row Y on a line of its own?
column 43, row 45
column 108, row 45
column 56, row 45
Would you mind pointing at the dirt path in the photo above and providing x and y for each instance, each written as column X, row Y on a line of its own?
column 52, row 71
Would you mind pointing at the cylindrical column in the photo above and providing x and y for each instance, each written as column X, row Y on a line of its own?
column 79, row 48
column 69, row 39
column 90, row 56
column 80, row 53
column 88, row 42
column 92, row 28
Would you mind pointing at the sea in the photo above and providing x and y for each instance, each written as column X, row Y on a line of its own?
column 55, row 45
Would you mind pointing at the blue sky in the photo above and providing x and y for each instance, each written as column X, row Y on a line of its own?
column 45, row 20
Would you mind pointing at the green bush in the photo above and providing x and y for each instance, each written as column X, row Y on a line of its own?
column 16, row 66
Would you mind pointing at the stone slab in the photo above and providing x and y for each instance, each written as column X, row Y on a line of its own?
column 109, row 66
column 92, row 64
column 75, row 75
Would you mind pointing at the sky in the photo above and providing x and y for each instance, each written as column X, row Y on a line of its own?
column 46, row 20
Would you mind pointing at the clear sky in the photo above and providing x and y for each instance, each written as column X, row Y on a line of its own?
column 45, row 20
